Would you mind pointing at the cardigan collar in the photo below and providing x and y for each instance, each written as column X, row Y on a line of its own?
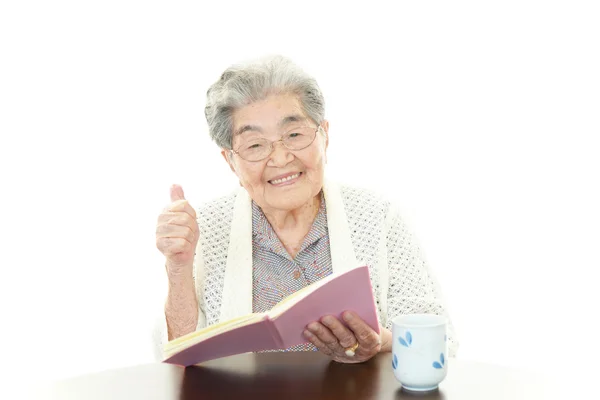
column 237, row 286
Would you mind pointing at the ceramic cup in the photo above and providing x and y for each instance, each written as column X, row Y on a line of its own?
column 419, row 351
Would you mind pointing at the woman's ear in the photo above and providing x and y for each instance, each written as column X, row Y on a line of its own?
column 325, row 125
column 228, row 156
column 325, row 129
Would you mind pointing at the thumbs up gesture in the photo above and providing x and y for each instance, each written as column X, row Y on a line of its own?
column 177, row 233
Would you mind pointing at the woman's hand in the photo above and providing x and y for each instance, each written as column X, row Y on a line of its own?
column 176, row 237
column 177, row 234
column 333, row 338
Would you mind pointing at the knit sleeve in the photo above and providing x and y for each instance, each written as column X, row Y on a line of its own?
column 412, row 288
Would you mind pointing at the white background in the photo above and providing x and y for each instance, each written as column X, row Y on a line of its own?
column 479, row 119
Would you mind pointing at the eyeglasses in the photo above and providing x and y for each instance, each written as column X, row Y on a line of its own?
column 260, row 148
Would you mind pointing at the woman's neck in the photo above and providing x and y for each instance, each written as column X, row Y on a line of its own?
column 292, row 226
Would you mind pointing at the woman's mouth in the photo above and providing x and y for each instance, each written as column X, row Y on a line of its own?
column 286, row 179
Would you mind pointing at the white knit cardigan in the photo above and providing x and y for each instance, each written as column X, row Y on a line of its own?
column 364, row 229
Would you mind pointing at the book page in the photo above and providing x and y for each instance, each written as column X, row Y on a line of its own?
column 295, row 297
column 210, row 331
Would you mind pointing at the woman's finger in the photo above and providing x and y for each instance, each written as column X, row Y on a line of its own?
column 173, row 246
column 177, row 218
column 176, row 231
column 324, row 335
column 367, row 338
column 322, row 347
column 182, row 206
column 344, row 335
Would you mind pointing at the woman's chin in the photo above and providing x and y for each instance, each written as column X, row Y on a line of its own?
column 290, row 199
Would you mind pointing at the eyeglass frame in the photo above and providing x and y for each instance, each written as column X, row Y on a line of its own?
column 272, row 143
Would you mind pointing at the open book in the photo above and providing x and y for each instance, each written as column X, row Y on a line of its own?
column 282, row 326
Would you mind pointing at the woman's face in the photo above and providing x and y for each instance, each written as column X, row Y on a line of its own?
column 270, row 119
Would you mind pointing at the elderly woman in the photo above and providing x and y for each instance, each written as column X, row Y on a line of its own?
column 287, row 226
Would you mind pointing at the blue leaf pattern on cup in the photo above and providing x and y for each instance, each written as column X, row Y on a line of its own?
column 406, row 342
column 395, row 362
column 439, row 365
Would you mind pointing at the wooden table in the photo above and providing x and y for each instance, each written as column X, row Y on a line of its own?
column 288, row 376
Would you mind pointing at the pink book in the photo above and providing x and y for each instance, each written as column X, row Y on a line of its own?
column 282, row 326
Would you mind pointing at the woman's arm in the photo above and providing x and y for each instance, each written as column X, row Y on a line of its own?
column 177, row 236
column 181, row 306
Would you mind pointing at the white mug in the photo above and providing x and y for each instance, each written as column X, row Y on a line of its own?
column 419, row 351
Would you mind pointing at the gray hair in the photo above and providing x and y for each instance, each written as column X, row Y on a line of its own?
column 243, row 84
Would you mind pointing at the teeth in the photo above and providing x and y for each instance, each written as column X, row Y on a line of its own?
column 278, row 181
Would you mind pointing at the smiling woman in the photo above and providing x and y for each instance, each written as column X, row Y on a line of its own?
column 287, row 226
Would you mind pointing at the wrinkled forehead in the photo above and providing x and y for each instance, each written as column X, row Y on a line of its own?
column 274, row 113
column 287, row 121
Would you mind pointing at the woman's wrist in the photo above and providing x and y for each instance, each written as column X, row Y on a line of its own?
column 179, row 272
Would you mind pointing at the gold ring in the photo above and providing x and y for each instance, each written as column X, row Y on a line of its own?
column 350, row 351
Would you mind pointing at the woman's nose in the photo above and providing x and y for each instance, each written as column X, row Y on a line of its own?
column 280, row 154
